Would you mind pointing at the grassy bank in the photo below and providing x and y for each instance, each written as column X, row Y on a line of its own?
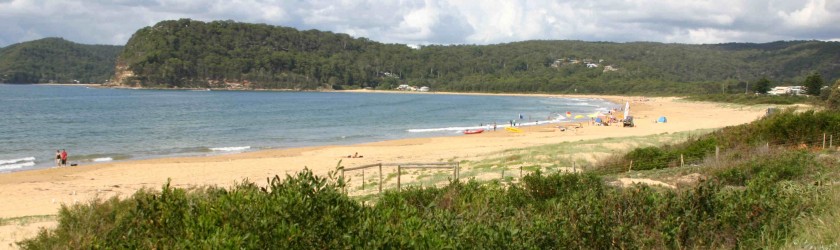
column 752, row 99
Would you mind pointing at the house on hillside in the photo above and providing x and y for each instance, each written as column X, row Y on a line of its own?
column 557, row 63
column 787, row 90
column 591, row 65
column 609, row 68
column 779, row 90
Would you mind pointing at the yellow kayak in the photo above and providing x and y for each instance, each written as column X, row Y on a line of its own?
column 515, row 130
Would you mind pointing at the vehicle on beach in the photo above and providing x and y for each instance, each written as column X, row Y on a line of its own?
column 628, row 122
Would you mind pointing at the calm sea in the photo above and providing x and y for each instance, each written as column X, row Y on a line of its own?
column 99, row 125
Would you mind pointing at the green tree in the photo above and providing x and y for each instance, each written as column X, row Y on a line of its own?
column 833, row 101
column 57, row 60
column 761, row 86
column 813, row 84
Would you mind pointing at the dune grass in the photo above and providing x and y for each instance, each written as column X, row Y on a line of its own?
column 26, row 220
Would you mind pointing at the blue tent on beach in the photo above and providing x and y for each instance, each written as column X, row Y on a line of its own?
column 662, row 119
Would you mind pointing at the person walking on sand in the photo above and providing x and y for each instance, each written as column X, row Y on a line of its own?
column 63, row 158
column 57, row 158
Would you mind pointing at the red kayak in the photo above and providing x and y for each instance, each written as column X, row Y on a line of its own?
column 473, row 131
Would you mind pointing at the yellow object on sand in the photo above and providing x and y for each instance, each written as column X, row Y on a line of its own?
column 515, row 130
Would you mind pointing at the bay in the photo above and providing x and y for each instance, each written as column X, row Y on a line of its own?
column 104, row 124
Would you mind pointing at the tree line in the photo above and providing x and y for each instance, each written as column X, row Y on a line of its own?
column 57, row 60
column 193, row 54
column 189, row 53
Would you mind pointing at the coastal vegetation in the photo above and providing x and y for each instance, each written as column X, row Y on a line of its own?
column 55, row 60
column 753, row 99
column 769, row 184
column 227, row 54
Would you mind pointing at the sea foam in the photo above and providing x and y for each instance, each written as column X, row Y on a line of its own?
column 19, row 160
column 231, row 148
column 103, row 159
column 486, row 127
column 5, row 167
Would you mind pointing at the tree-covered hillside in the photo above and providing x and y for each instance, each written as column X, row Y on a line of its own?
column 188, row 53
column 57, row 60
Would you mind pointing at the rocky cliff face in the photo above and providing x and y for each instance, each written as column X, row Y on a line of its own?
column 123, row 75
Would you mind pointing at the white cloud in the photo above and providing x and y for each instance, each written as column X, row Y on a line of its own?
column 810, row 15
column 441, row 21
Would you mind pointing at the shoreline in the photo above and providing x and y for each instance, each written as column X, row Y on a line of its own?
column 42, row 191
column 612, row 98
column 59, row 84
column 97, row 158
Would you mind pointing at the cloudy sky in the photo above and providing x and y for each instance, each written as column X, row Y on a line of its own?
column 442, row 21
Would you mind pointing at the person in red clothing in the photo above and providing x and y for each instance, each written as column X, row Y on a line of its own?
column 63, row 158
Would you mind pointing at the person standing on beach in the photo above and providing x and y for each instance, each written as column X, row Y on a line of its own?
column 63, row 158
column 58, row 158
column 494, row 126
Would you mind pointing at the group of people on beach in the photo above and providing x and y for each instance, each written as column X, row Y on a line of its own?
column 61, row 158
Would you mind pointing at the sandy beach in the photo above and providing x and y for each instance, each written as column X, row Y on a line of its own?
column 41, row 192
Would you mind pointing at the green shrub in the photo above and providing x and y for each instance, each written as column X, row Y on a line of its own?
column 288, row 213
column 543, row 212
column 786, row 166
column 648, row 158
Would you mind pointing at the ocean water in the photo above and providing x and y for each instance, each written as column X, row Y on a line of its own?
column 100, row 124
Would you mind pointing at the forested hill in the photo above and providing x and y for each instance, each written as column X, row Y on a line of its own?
column 188, row 53
column 57, row 60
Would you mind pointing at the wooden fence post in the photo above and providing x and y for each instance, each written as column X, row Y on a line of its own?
column 682, row 160
column 823, row 141
column 717, row 153
column 454, row 173
column 399, row 173
column 380, row 177
column 457, row 171
column 574, row 166
column 631, row 166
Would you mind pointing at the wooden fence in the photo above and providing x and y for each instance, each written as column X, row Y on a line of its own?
column 455, row 166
